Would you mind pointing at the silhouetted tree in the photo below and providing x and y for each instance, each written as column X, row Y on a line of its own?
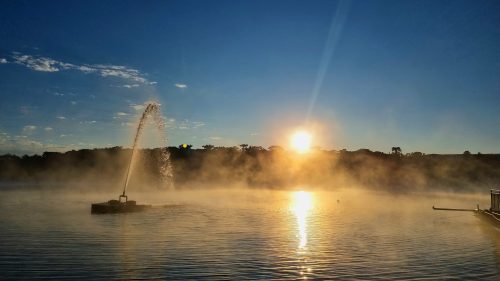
column 415, row 154
column 208, row 147
column 396, row 150
column 244, row 146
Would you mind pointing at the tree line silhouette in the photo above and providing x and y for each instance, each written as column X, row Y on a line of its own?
column 256, row 166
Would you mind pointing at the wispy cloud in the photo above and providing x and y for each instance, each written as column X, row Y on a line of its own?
column 129, row 86
column 131, row 74
column 61, row 117
column 48, row 129
column 46, row 64
column 215, row 138
column 119, row 115
column 187, row 124
column 38, row 64
column 126, row 124
column 29, row 129
column 180, row 86
column 23, row 144
column 2, row 60
column 197, row 124
column 170, row 123
column 137, row 106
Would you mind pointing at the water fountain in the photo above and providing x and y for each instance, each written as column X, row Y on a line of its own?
column 123, row 205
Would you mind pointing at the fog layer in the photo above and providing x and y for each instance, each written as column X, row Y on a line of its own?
column 258, row 167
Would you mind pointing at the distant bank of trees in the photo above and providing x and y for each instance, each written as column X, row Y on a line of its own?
column 259, row 167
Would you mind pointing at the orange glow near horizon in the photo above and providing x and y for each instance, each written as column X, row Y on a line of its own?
column 301, row 141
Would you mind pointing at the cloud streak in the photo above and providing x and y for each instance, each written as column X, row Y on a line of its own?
column 23, row 144
column 130, row 86
column 185, row 124
column 29, row 128
column 119, row 115
column 45, row 64
column 180, row 86
column 137, row 106
column 38, row 64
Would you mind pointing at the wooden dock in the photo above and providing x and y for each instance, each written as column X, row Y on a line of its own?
column 451, row 209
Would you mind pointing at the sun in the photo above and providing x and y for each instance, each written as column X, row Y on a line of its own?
column 301, row 141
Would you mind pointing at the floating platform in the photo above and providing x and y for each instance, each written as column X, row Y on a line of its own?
column 117, row 206
column 490, row 216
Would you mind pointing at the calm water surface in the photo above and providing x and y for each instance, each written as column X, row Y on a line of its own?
column 247, row 235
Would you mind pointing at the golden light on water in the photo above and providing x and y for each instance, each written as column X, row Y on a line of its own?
column 302, row 203
column 301, row 141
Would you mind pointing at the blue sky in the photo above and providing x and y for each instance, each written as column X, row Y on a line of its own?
column 422, row 75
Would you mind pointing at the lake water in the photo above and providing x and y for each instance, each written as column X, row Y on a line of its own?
column 239, row 234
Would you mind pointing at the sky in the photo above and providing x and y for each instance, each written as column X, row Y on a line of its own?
column 421, row 75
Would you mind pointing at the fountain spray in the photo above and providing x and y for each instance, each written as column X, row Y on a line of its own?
column 116, row 206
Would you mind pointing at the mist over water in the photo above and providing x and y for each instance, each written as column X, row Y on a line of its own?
column 241, row 234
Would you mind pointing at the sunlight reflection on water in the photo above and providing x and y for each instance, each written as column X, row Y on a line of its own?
column 302, row 203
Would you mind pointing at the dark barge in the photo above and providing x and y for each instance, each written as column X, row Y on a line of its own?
column 118, row 206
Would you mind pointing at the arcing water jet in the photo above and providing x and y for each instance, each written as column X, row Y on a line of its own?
column 152, row 110
column 117, row 206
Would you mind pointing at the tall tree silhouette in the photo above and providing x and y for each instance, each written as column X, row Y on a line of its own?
column 396, row 150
